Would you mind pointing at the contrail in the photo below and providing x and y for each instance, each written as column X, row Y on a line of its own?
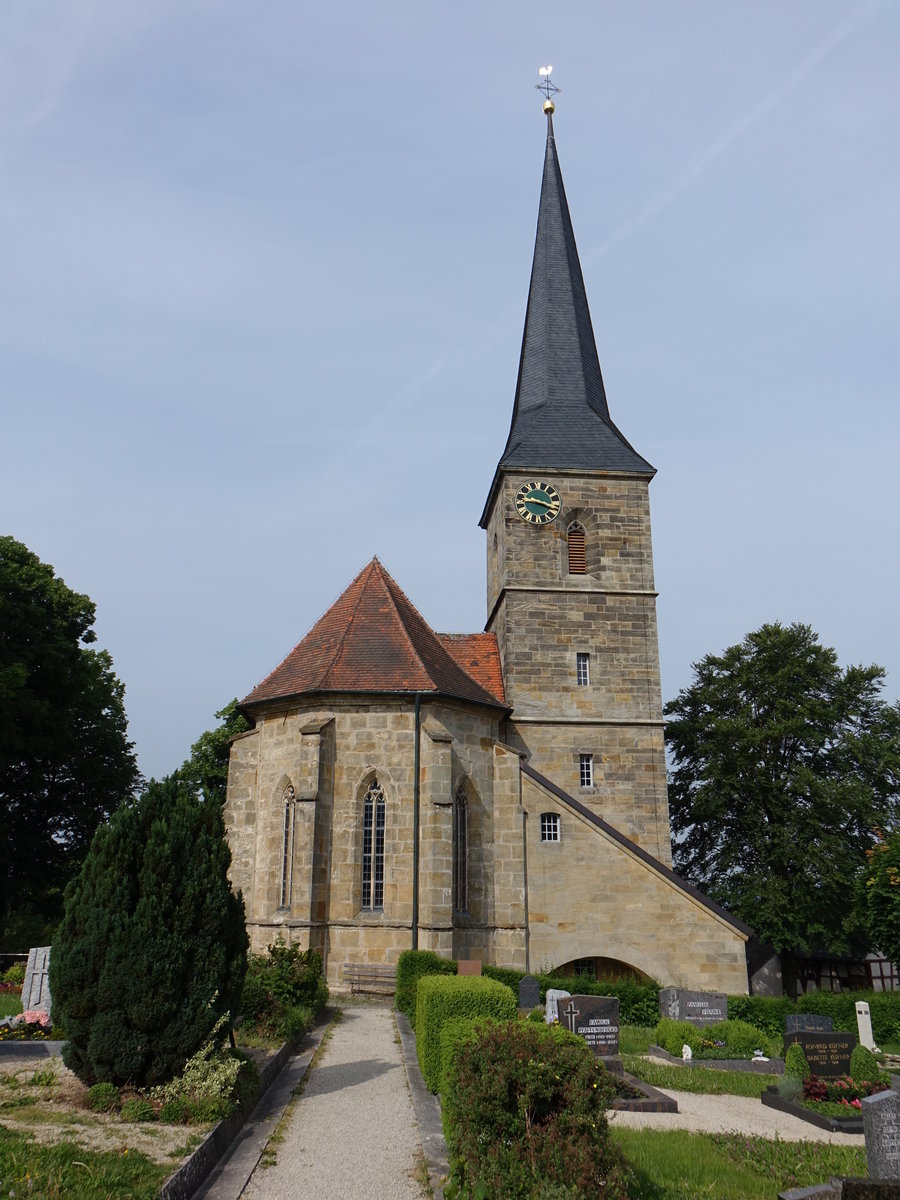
column 701, row 160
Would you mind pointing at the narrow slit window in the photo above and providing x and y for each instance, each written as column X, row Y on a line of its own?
column 287, row 846
column 583, row 669
column 373, row 848
column 577, row 549
column 586, row 769
column 549, row 827
column 461, row 851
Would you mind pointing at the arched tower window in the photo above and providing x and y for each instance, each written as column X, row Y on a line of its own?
column 461, row 851
column 373, row 847
column 577, row 549
column 287, row 845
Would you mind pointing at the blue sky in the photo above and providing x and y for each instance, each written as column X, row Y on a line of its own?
column 264, row 271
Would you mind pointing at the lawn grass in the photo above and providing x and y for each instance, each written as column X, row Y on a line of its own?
column 635, row 1039
column 676, row 1165
column 68, row 1171
column 698, row 1079
column 10, row 1004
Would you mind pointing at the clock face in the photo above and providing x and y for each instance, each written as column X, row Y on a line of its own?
column 537, row 503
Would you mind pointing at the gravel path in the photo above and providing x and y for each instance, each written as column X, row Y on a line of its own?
column 732, row 1114
column 352, row 1133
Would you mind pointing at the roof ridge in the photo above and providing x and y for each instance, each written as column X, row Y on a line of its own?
column 323, row 674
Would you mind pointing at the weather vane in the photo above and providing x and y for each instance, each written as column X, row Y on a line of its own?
column 549, row 88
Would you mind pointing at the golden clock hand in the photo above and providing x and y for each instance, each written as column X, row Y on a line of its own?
column 536, row 500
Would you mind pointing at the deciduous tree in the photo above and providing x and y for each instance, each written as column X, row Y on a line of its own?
column 65, row 758
column 783, row 765
column 207, row 767
column 879, row 895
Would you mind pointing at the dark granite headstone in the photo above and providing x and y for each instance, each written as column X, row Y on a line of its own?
column 807, row 1023
column 881, row 1124
column 36, row 988
column 828, row 1054
column 700, row 1008
column 596, row 1019
column 529, row 992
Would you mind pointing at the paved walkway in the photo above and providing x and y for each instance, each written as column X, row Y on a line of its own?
column 352, row 1133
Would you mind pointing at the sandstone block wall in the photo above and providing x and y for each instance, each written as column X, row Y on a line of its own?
column 589, row 897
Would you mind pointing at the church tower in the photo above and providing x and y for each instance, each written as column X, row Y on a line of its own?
column 571, row 595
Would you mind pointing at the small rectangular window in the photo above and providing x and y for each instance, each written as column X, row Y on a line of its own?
column 585, row 968
column 583, row 669
column 586, row 769
column 549, row 827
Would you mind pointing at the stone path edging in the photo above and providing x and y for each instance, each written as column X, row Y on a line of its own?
column 226, row 1158
column 427, row 1108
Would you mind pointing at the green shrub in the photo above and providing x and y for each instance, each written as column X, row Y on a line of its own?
column 740, row 1038
column 525, row 1116
column 151, row 952
column 15, row 974
column 765, row 1012
column 674, row 1035
column 795, row 1063
column 137, row 1109
column 864, row 1066
column 211, row 1084
column 508, row 975
column 175, row 1112
column 538, row 1014
column 841, row 1007
column 439, row 997
column 103, row 1097
column 283, row 990
column 411, row 966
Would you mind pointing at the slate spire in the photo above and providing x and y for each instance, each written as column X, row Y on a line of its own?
column 561, row 416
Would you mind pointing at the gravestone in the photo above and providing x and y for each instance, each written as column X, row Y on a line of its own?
column 594, row 1018
column 529, row 992
column 36, row 988
column 807, row 1023
column 700, row 1008
column 828, row 1054
column 881, row 1125
column 554, row 995
column 468, row 966
column 864, row 1025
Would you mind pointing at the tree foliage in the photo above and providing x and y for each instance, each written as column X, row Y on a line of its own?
column 879, row 895
column 207, row 767
column 65, row 758
column 152, row 949
column 783, row 766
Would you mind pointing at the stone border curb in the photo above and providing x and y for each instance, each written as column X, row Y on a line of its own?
column 774, row 1066
column 771, row 1099
column 427, row 1108
column 33, row 1049
column 239, row 1139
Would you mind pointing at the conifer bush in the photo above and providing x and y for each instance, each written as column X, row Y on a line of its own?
column 152, row 949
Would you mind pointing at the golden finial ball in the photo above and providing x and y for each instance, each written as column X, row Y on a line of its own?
column 549, row 107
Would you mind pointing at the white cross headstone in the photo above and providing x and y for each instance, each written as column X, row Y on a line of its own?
column 864, row 1025
column 554, row 995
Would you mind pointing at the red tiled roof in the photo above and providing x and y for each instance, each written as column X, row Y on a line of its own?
column 479, row 656
column 372, row 639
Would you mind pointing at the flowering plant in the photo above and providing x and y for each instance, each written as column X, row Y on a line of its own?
column 843, row 1090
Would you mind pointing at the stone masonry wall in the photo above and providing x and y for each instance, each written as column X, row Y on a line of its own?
column 589, row 897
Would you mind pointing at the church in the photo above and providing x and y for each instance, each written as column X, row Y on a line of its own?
column 498, row 795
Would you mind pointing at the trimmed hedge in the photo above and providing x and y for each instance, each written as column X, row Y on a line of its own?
column 438, row 998
column 455, row 1033
column 411, row 966
column 765, row 1012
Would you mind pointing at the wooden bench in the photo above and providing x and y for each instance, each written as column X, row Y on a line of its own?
column 363, row 978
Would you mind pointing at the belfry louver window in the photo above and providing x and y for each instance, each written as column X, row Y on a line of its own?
column 577, row 549
column 373, row 848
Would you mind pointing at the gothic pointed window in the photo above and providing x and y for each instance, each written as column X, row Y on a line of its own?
column 287, row 846
column 373, row 847
column 461, row 851
column 577, row 549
